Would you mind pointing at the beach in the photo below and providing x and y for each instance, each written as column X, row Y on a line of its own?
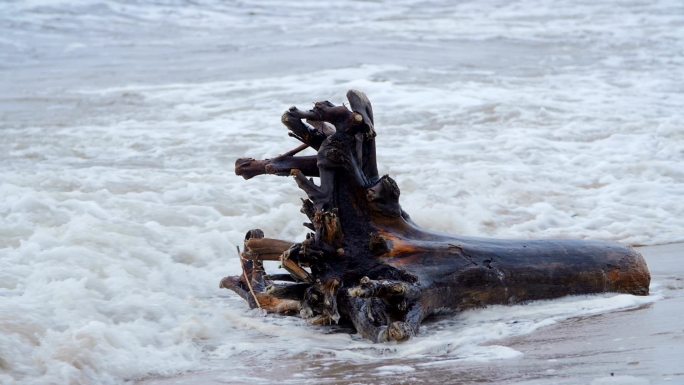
column 638, row 345
column 120, row 124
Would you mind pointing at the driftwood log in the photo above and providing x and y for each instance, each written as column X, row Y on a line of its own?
column 367, row 264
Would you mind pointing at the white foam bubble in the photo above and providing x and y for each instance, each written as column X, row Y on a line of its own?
column 393, row 369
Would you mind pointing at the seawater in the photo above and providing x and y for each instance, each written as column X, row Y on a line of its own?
column 120, row 122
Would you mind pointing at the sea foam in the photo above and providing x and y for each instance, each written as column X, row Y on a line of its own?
column 121, row 122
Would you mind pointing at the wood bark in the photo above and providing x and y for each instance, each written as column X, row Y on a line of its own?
column 366, row 263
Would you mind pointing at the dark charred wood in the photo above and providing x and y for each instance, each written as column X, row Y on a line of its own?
column 307, row 134
column 283, row 165
column 279, row 277
column 367, row 263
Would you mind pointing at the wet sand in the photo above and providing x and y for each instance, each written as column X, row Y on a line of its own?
column 636, row 346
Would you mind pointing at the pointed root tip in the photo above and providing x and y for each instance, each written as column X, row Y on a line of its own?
column 228, row 282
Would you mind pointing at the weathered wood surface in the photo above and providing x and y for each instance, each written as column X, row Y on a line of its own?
column 365, row 262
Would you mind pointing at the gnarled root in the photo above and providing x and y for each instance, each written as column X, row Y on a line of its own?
column 253, row 285
column 381, row 310
column 366, row 263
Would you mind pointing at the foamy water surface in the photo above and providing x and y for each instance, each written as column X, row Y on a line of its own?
column 120, row 122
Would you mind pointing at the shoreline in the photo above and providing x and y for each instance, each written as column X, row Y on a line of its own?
column 629, row 346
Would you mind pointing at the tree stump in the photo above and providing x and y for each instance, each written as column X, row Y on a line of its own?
column 367, row 264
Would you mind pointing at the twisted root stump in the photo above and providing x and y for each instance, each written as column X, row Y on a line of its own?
column 366, row 263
